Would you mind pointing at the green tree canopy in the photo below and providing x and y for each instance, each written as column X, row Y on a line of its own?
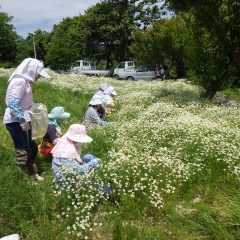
column 25, row 47
column 109, row 26
column 163, row 43
column 214, row 49
column 40, row 39
column 8, row 38
column 67, row 43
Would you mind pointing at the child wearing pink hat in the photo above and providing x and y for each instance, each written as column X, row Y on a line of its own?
column 66, row 153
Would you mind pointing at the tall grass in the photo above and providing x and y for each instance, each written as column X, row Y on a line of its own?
column 165, row 140
column 28, row 207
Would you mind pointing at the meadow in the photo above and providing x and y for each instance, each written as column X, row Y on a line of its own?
column 171, row 159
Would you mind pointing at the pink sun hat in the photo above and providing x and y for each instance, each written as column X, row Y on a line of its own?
column 78, row 133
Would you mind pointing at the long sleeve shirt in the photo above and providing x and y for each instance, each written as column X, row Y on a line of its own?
column 19, row 100
column 91, row 116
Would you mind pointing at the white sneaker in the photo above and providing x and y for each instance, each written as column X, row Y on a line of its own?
column 38, row 177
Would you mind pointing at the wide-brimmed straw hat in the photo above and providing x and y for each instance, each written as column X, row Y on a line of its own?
column 78, row 133
column 58, row 113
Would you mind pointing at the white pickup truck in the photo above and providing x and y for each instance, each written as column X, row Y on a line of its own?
column 87, row 68
column 126, row 70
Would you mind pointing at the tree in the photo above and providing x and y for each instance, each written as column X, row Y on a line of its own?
column 40, row 39
column 102, row 33
column 8, row 38
column 109, row 26
column 67, row 43
column 163, row 43
column 214, row 49
column 25, row 47
column 146, row 11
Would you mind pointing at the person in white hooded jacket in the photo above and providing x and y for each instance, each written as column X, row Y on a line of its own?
column 19, row 100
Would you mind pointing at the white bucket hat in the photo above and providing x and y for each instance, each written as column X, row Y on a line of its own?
column 103, row 86
column 110, row 91
column 78, row 133
column 96, row 100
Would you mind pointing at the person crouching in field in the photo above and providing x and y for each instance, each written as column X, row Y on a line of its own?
column 108, row 102
column 19, row 100
column 102, row 88
column 91, row 116
column 54, row 131
column 66, row 153
column 100, row 93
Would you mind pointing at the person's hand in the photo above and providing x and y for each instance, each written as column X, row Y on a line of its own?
column 25, row 126
column 76, row 157
column 80, row 161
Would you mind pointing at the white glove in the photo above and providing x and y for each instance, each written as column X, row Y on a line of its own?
column 25, row 126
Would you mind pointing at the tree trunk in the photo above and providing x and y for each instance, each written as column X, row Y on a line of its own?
column 217, row 84
column 169, row 69
column 109, row 61
column 211, row 91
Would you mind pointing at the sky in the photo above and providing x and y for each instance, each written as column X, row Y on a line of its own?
column 30, row 15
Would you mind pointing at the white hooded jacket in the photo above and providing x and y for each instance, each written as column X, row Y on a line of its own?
column 20, row 87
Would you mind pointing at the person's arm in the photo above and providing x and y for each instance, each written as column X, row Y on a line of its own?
column 87, row 167
column 15, row 109
column 15, row 93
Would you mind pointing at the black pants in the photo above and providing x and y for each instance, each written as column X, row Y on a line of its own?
column 26, row 149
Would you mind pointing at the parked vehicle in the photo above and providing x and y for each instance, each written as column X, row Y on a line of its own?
column 123, row 68
column 87, row 68
column 126, row 70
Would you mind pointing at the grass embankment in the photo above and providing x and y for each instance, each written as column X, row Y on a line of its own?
column 171, row 158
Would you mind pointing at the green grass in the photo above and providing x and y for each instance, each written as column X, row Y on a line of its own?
column 233, row 94
column 27, row 207
column 31, row 209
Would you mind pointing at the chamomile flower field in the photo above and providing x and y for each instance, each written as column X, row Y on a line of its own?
column 170, row 167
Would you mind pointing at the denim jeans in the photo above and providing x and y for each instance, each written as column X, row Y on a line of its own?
column 21, row 139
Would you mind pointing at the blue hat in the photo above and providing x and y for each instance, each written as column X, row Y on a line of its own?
column 58, row 113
